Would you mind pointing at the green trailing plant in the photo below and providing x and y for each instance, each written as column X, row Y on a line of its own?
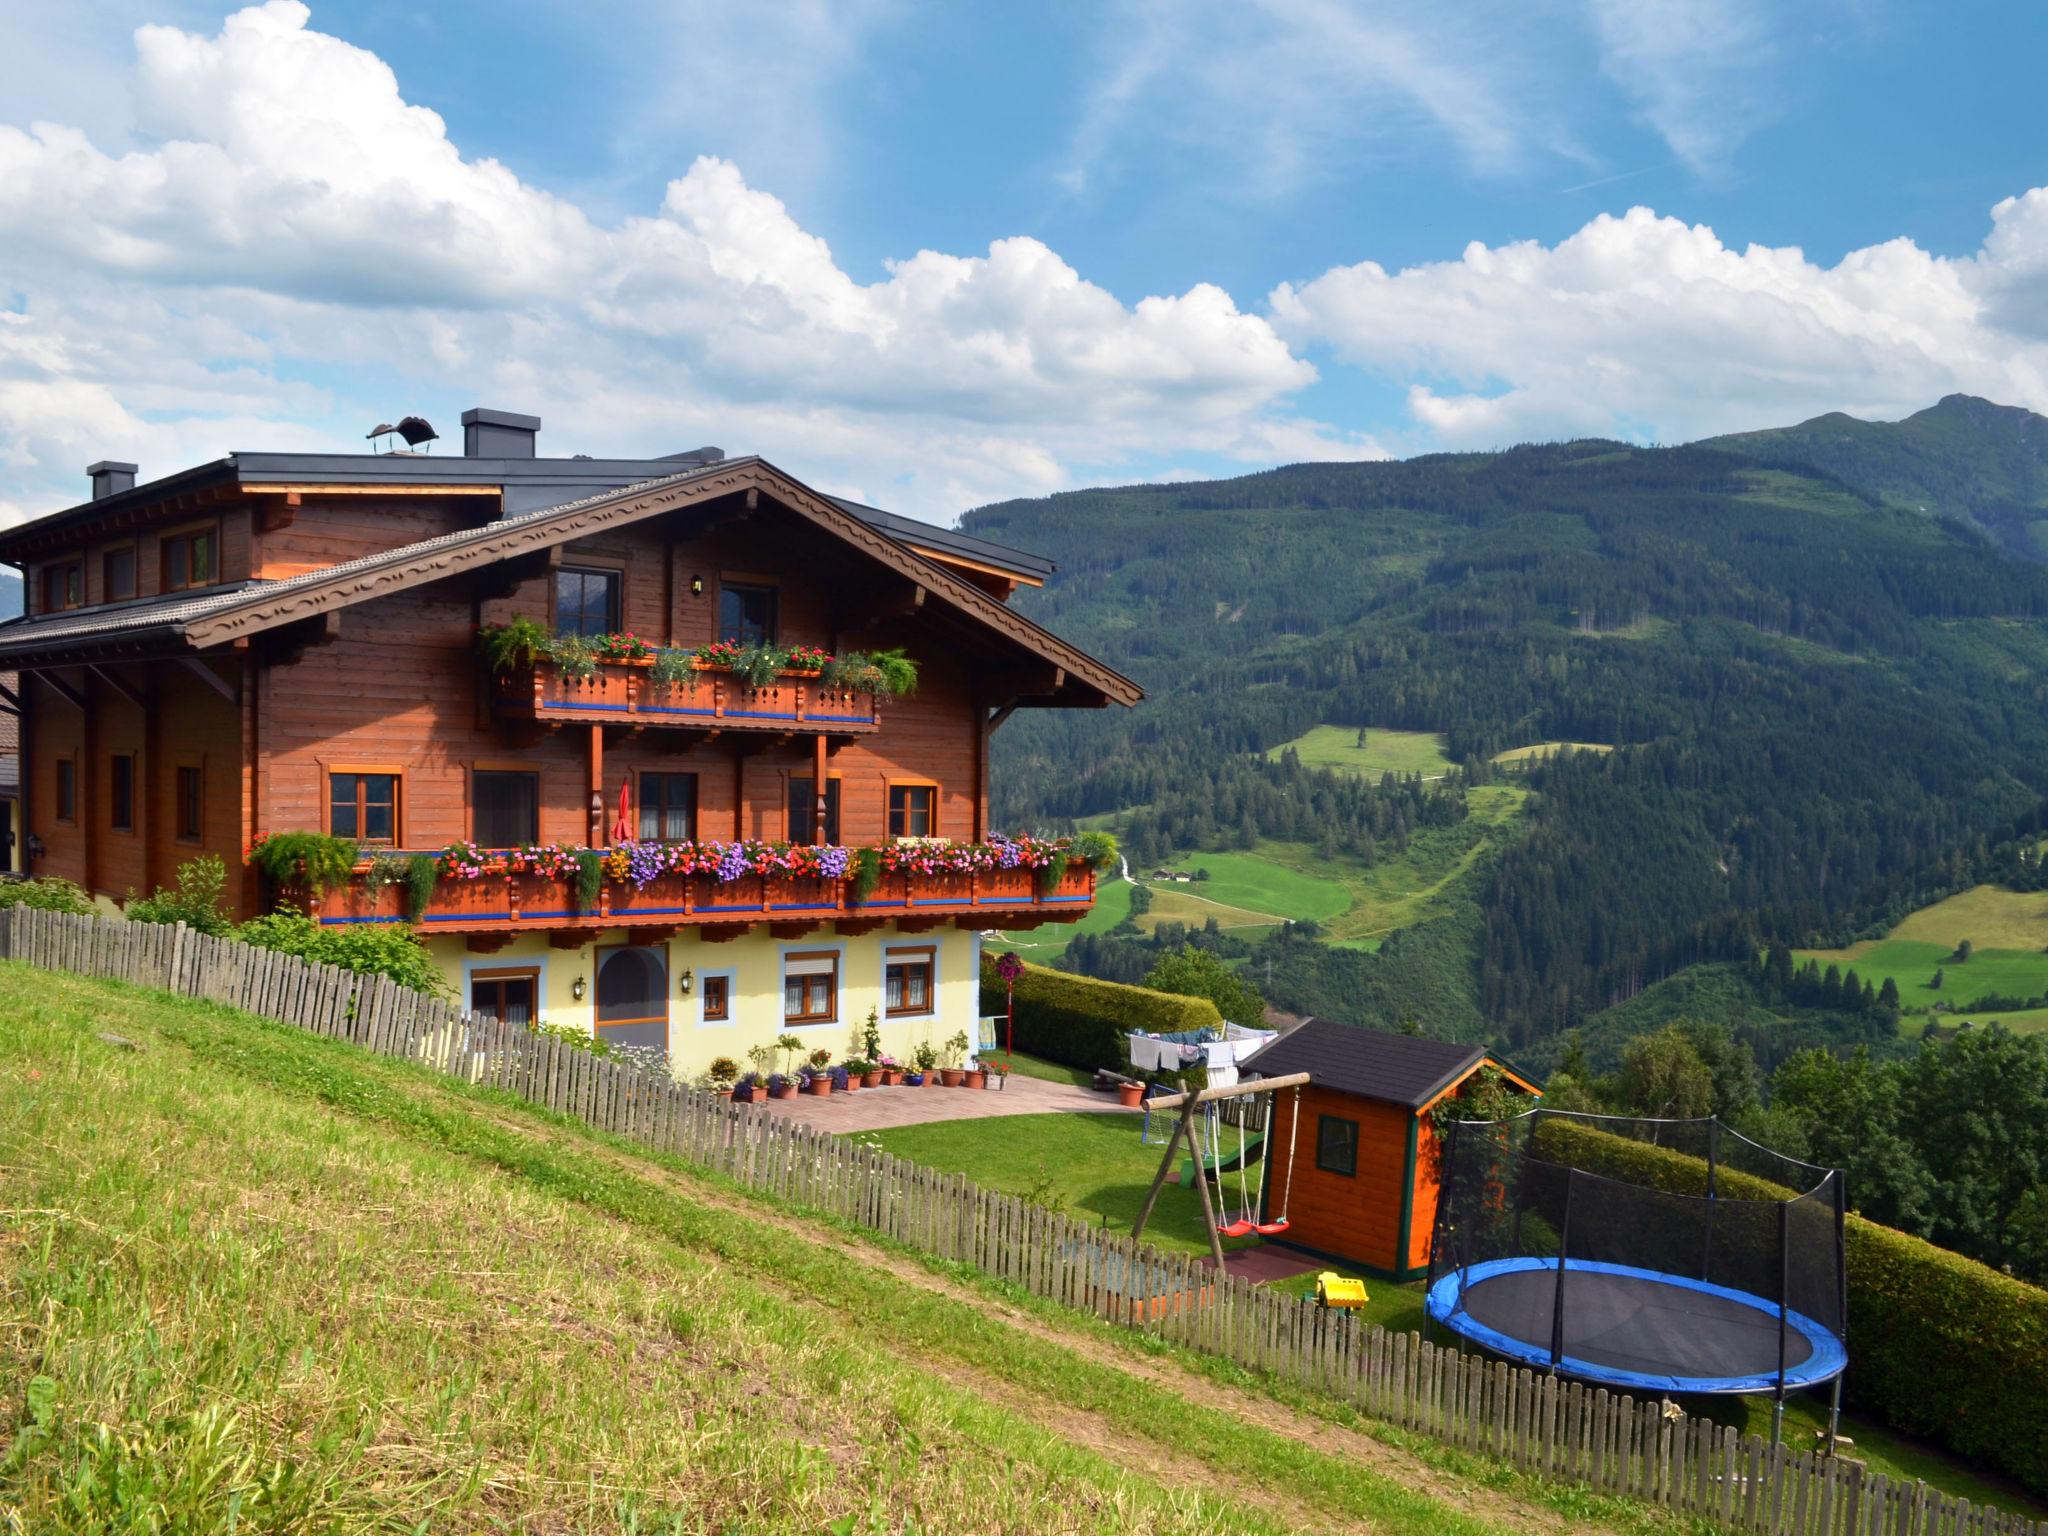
column 196, row 901
column 421, row 873
column 386, row 869
column 1054, row 870
column 757, row 665
column 312, row 861
column 1097, row 849
column 898, row 672
column 514, row 644
column 573, row 656
column 589, row 878
column 670, row 668
column 890, row 672
column 866, row 869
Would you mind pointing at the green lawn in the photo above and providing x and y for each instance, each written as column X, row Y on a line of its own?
column 1912, row 963
column 1514, row 756
column 1090, row 1166
column 1385, row 751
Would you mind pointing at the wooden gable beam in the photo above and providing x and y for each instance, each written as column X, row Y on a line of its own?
column 64, row 691
column 211, row 678
column 132, row 695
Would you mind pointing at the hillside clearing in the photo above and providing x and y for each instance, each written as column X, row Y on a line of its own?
column 1385, row 751
column 259, row 1279
column 2006, row 930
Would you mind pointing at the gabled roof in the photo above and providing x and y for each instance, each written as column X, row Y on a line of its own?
column 200, row 620
column 1395, row 1069
column 527, row 485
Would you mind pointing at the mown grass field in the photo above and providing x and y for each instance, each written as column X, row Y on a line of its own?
column 2007, row 931
column 1385, row 751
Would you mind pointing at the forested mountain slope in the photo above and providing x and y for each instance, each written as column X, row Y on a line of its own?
column 1962, row 457
column 1830, row 705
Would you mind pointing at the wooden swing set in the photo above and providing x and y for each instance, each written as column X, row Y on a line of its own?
column 1185, row 1129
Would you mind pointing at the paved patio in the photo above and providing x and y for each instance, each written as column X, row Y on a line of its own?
column 880, row 1109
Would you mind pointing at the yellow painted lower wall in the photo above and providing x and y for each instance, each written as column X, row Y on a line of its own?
column 755, row 967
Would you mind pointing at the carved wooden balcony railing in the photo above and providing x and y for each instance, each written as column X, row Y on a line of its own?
column 705, row 700
column 506, row 903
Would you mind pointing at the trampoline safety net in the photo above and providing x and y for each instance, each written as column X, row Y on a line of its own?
column 1728, row 1279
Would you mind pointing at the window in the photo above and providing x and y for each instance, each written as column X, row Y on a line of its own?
column 586, row 601
column 668, row 807
column 1336, row 1145
column 510, row 997
column 810, row 988
column 746, row 613
column 117, row 573
column 63, row 586
column 190, row 559
column 907, row 981
column 191, row 805
column 717, row 996
column 121, row 793
column 363, row 806
column 803, row 810
column 67, row 789
column 632, row 996
column 505, row 808
column 913, row 810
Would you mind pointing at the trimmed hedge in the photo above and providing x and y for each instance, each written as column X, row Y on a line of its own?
column 1081, row 1022
column 1940, row 1347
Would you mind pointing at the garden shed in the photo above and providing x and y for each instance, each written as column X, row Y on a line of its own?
column 1364, row 1179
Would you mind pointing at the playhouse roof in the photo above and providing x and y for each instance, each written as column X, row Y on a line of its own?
column 1395, row 1069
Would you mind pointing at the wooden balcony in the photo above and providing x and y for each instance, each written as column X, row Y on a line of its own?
column 624, row 692
column 508, row 904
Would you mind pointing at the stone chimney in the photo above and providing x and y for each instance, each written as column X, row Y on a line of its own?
column 111, row 477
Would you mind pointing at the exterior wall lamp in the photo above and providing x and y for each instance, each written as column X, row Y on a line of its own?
column 696, row 586
column 577, row 989
column 686, row 981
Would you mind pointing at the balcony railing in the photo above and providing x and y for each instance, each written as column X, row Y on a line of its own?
column 502, row 902
column 706, row 699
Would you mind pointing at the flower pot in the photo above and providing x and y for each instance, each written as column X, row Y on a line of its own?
column 852, row 1083
column 726, row 1093
column 873, row 1079
column 1130, row 1095
column 891, row 1076
column 819, row 1086
column 977, row 1079
column 935, row 1078
column 913, row 1079
column 786, row 1091
column 951, row 1076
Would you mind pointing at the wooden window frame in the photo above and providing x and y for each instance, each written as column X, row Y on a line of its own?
column 76, row 566
column 504, row 973
column 810, row 1020
column 134, row 553
column 725, row 980
column 63, row 761
column 198, row 833
column 602, row 565
column 398, row 791
column 889, row 808
column 746, row 579
column 125, row 828
column 912, row 954
column 469, row 777
column 171, row 536
column 789, row 778
column 640, row 777
column 1323, row 1167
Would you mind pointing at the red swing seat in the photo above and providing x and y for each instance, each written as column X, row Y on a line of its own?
column 1238, row 1228
column 1271, row 1228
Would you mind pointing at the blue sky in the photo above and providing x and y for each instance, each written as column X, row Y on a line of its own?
column 940, row 254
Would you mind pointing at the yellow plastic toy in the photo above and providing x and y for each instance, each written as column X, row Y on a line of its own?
column 1333, row 1290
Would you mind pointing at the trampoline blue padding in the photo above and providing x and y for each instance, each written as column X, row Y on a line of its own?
column 1638, row 1328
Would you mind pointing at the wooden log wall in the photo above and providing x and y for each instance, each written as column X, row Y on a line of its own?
column 1608, row 1442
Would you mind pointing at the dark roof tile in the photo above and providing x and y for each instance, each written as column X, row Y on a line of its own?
column 1396, row 1069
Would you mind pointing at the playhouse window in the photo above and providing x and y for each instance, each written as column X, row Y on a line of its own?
column 1337, row 1145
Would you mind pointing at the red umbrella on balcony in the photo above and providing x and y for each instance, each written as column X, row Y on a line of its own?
column 622, row 829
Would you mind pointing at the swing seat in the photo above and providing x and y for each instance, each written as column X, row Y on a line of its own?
column 1271, row 1228
column 1238, row 1228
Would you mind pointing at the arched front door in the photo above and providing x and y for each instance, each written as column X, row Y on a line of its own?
column 632, row 996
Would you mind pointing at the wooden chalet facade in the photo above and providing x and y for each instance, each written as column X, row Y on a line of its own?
column 287, row 642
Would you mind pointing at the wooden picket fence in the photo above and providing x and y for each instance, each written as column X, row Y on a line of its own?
column 1606, row 1441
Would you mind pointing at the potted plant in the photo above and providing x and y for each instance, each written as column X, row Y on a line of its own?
column 763, row 1058
column 950, row 1070
column 872, row 1074
column 855, row 1070
column 839, row 1078
column 993, row 1073
column 780, row 1087
column 788, row 1048
column 746, row 1090
column 1130, row 1095
column 912, row 1078
column 927, row 1065
column 892, row 1071
column 815, row 1081
column 722, row 1075
column 976, row 1076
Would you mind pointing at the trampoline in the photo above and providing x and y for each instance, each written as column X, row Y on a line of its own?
column 1542, row 1255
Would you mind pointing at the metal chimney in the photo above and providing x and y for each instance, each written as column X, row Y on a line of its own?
column 488, row 434
column 110, row 477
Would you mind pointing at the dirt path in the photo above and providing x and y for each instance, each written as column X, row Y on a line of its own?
column 1403, row 1467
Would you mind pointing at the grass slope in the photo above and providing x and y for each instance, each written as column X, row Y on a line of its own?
column 2007, row 931
column 1385, row 751
column 257, row 1281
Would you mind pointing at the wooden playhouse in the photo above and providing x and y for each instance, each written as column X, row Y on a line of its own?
column 1365, row 1170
